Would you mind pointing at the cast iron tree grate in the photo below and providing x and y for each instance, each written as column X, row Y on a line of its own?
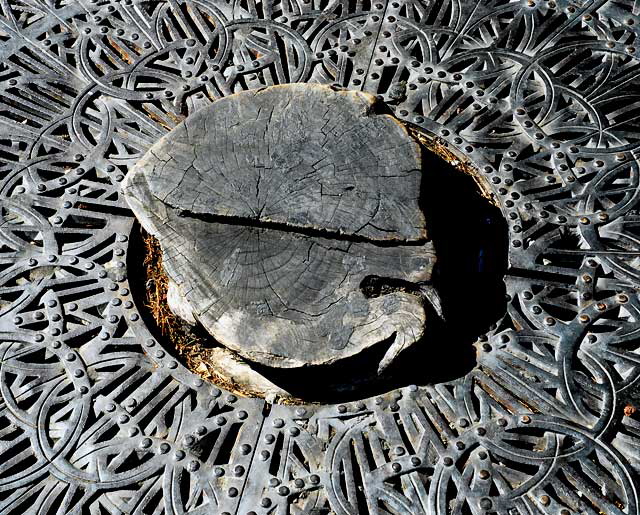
column 541, row 97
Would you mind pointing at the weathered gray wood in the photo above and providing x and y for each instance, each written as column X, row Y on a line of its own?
column 272, row 207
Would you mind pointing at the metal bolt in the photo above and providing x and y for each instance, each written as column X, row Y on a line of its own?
column 486, row 503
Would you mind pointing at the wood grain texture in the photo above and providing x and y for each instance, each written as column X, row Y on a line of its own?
column 272, row 207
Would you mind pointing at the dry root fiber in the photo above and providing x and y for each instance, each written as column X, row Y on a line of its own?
column 191, row 347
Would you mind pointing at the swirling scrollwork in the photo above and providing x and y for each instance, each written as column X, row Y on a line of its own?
column 540, row 96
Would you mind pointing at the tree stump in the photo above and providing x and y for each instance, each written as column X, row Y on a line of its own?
column 273, row 207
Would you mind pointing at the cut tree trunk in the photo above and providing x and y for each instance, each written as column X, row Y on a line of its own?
column 272, row 207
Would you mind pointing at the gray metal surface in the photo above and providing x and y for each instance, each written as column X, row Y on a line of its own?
column 96, row 417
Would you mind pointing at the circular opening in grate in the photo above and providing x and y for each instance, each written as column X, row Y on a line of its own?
column 470, row 239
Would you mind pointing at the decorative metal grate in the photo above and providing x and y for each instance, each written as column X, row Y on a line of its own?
column 542, row 97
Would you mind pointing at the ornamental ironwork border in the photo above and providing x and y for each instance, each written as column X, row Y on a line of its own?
column 542, row 97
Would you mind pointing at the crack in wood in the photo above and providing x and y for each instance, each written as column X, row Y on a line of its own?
column 308, row 232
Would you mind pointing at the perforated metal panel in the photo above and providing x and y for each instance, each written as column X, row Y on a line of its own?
column 542, row 97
